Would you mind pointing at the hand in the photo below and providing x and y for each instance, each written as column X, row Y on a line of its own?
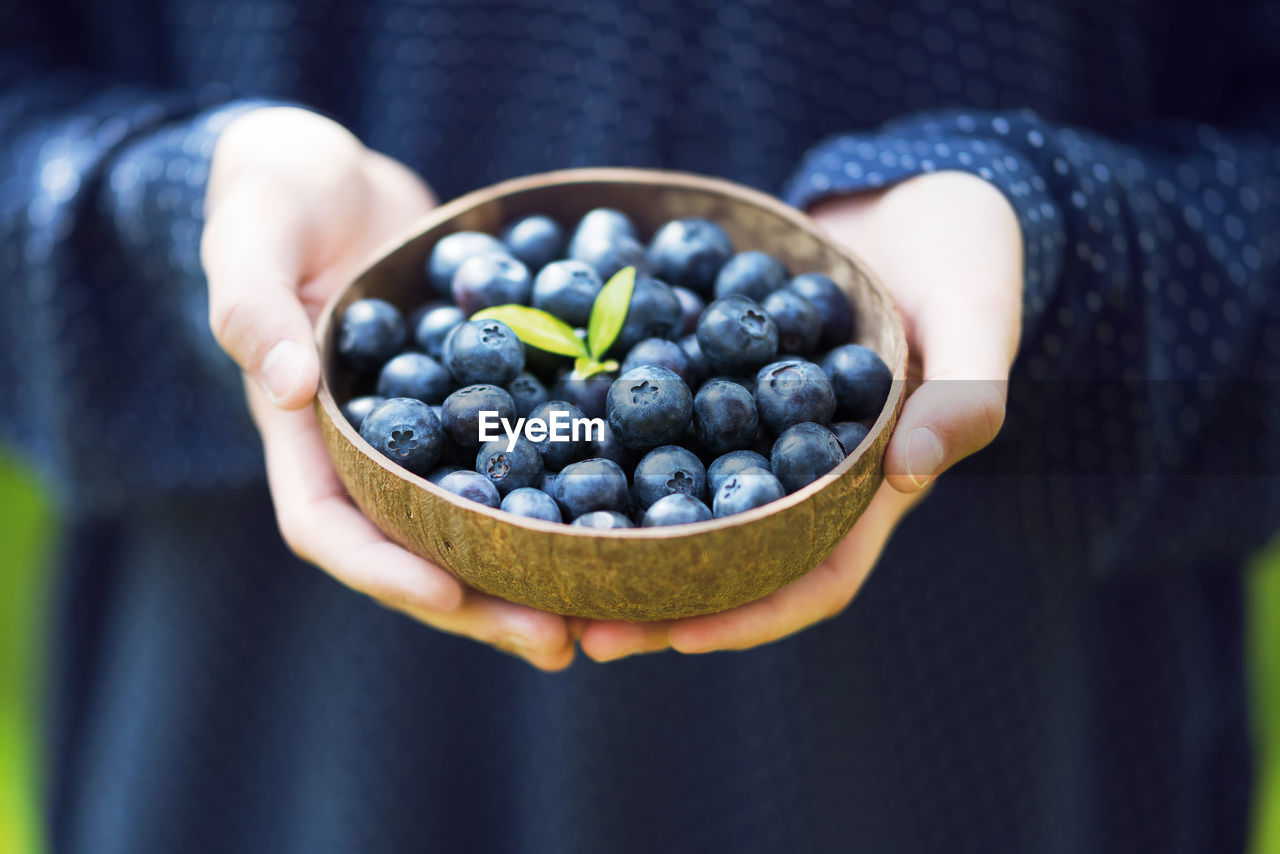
column 295, row 204
column 949, row 248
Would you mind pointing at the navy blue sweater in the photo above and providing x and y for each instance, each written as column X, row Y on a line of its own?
column 1048, row 657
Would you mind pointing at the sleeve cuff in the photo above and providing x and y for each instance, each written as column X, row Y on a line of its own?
column 152, row 200
column 997, row 148
column 155, row 195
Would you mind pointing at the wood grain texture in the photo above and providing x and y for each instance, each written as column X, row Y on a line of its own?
column 634, row 574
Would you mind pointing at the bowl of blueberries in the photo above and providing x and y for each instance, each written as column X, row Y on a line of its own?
column 614, row 393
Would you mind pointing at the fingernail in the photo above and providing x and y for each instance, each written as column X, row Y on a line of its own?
column 694, row 648
column 621, row 652
column 924, row 455
column 281, row 369
column 518, row 644
column 442, row 598
column 436, row 601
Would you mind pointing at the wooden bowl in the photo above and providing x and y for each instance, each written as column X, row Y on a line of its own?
column 632, row 574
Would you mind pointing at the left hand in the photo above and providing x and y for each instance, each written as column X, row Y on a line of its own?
column 296, row 205
column 948, row 247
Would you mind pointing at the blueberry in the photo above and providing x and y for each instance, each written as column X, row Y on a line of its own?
column 528, row 393
column 589, row 394
column 495, row 278
column 532, row 504
column 850, row 434
column 798, row 319
column 660, row 352
column 666, row 471
column 724, row 416
column 608, row 255
column 804, row 453
column 861, row 381
column 547, row 483
column 648, row 407
column 357, row 408
column 414, row 375
column 441, row 472
column 607, row 446
column 833, row 306
column 691, row 308
column 603, row 223
column 559, row 416
column 675, row 510
column 603, row 519
column 654, row 312
column 462, row 412
column 730, row 464
column 567, row 289
column 791, row 392
column 472, row 486
column 536, row 240
column 370, row 332
column 745, row 490
column 689, row 253
column 413, row 318
column 449, row 253
column 483, row 351
column 737, row 336
column 434, row 327
column 591, row 485
column 699, row 368
column 510, row 469
column 750, row 274
column 405, row 431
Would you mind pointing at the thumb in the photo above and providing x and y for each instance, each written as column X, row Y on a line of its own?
column 251, row 251
column 960, row 406
column 944, row 421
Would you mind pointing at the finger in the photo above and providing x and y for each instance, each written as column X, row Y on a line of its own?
column 610, row 640
column 960, row 406
column 251, row 251
column 394, row 199
column 942, row 422
column 959, row 288
column 412, row 196
column 540, row 638
column 966, row 337
column 320, row 524
column 817, row 596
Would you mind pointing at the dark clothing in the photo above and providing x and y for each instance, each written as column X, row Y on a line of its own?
column 1047, row 659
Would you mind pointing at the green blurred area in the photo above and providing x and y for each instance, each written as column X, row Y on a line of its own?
column 26, row 531
column 1264, row 652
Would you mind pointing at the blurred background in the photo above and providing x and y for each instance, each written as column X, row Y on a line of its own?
column 28, row 532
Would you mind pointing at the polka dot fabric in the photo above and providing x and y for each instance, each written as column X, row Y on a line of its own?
column 1048, row 657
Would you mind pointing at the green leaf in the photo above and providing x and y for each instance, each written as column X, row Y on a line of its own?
column 585, row 366
column 536, row 328
column 609, row 312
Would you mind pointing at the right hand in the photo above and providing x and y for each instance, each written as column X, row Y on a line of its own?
column 949, row 248
column 295, row 205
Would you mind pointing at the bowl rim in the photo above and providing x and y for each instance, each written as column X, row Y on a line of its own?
column 729, row 190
